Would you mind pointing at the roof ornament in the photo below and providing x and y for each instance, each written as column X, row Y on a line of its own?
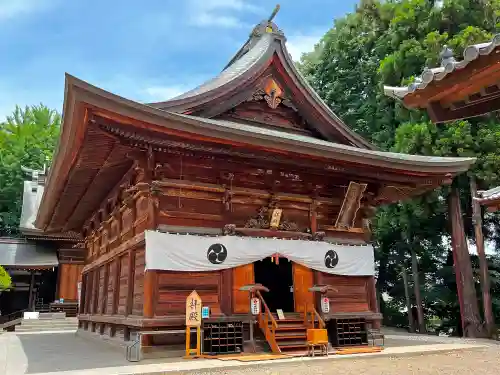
column 447, row 60
column 269, row 28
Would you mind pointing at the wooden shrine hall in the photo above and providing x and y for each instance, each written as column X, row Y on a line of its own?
column 248, row 179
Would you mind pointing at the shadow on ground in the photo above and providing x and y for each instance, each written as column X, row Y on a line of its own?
column 66, row 352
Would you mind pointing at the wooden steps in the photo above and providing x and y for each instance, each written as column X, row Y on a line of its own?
column 291, row 333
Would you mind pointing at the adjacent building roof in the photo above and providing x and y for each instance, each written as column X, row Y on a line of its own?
column 22, row 254
column 456, row 89
column 33, row 190
column 489, row 197
column 448, row 65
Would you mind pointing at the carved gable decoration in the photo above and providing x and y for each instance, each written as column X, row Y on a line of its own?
column 268, row 106
column 273, row 93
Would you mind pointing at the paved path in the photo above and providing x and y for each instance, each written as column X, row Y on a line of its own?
column 67, row 354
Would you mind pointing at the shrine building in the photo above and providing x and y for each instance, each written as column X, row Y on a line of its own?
column 247, row 179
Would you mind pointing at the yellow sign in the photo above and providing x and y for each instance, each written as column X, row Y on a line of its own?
column 193, row 319
column 5, row 280
column 275, row 218
column 193, row 310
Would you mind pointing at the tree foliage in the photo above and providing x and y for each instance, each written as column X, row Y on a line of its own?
column 390, row 42
column 27, row 138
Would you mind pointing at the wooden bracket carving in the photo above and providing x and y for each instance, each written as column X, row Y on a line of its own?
column 229, row 230
column 350, row 205
column 226, row 199
column 318, row 236
column 263, row 220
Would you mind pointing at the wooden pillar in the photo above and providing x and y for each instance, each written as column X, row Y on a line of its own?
column 373, row 302
column 313, row 217
column 477, row 221
column 465, row 284
column 31, row 305
column 130, row 282
column 150, row 285
column 418, row 298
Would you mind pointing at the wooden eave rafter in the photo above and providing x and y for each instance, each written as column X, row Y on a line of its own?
column 253, row 155
column 310, row 105
column 82, row 100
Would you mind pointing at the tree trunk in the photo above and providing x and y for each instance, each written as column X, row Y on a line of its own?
column 411, row 326
column 469, row 311
column 477, row 221
column 418, row 297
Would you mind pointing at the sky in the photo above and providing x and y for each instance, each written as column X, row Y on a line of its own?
column 147, row 50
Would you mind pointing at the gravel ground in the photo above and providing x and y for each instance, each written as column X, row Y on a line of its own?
column 484, row 361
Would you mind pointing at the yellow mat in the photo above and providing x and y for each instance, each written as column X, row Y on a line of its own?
column 358, row 350
column 252, row 357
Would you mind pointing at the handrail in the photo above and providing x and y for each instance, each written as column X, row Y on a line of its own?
column 270, row 333
column 311, row 311
column 12, row 316
column 268, row 311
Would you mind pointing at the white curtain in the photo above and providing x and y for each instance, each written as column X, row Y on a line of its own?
column 190, row 253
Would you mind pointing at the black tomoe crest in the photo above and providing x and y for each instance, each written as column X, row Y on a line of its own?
column 217, row 253
column 331, row 259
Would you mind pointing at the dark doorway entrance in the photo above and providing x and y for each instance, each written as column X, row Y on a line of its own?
column 278, row 278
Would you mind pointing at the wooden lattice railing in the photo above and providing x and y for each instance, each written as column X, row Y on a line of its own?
column 268, row 324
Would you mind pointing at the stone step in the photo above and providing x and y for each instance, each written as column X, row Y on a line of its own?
column 36, row 322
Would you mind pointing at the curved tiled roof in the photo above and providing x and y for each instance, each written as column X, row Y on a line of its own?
column 448, row 65
column 233, row 71
column 486, row 196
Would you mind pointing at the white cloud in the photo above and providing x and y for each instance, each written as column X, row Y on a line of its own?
column 161, row 93
column 14, row 8
column 219, row 13
column 299, row 44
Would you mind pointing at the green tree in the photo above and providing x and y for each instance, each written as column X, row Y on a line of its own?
column 27, row 138
column 390, row 42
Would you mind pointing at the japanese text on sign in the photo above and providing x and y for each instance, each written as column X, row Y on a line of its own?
column 325, row 305
column 255, row 306
column 193, row 310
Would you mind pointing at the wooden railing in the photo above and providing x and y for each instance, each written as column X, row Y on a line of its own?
column 264, row 318
column 311, row 316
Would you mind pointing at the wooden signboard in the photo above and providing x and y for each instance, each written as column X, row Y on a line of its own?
column 193, row 310
column 280, row 314
column 193, row 319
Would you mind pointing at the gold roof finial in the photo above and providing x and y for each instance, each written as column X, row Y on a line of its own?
column 269, row 28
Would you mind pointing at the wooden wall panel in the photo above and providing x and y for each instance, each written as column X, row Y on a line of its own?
column 242, row 275
column 174, row 287
column 123, row 285
column 101, row 289
column 352, row 295
column 140, row 264
column 110, row 287
column 303, row 279
column 69, row 276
